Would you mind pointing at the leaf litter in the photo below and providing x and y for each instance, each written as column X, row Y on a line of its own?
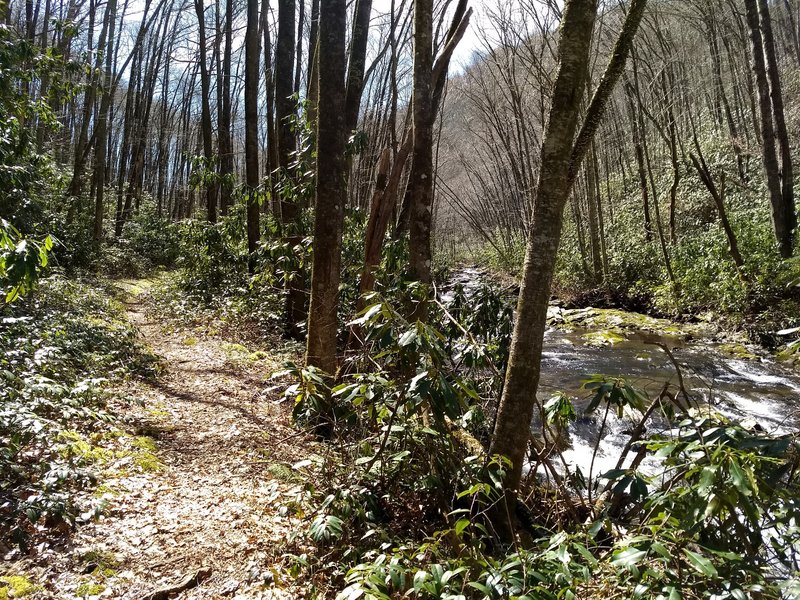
column 202, row 506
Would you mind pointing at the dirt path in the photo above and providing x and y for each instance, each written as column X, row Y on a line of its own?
column 214, row 505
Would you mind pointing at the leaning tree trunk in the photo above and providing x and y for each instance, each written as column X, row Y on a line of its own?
column 331, row 187
column 357, row 61
column 561, row 159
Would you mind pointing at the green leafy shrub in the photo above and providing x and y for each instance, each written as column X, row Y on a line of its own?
column 213, row 258
column 58, row 347
column 21, row 261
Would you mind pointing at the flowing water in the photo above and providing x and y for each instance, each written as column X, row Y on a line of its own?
column 760, row 392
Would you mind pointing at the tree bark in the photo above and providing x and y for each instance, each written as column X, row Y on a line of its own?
column 207, row 132
column 101, row 144
column 356, row 63
column 781, row 133
column 331, row 194
column 284, row 85
column 421, row 178
column 225, row 141
column 251, row 127
column 781, row 224
column 561, row 159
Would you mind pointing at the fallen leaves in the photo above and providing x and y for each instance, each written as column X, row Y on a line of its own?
column 211, row 512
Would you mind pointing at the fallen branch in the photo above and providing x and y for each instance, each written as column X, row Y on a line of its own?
column 187, row 583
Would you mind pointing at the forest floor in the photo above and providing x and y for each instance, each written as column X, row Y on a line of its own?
column 216, row 509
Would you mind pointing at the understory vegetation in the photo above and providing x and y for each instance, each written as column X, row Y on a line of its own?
column 61, row 348
column 398, row 502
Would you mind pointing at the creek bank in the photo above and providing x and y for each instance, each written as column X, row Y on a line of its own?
column 606, row 326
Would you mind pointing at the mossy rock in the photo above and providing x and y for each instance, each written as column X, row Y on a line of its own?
column 621, row 322
column 790, row 353
column 602, row 338
column 736, row 351
column 101, row 562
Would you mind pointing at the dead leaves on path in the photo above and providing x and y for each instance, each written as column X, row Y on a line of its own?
column 215, row 511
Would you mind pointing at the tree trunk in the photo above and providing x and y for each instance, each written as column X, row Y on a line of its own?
column 781, row 224
column 421, row 179
column 208, row 135
column 251, row 127
column 225, row 137
column 561, row 159
column 272, row 144
column 640, row 165
column 717, row 194
column 284, row 85
column 331, row 187
column 101, row 143
column 384, row 199
column 781, row 133
column 356, row 63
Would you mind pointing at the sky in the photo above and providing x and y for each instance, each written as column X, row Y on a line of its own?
column 471, row 40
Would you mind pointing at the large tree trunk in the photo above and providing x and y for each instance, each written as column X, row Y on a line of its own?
column 421, row 178
column 272, row 144
column 781, row 133
column 225, row 136
column 331, row 187
column 284, row 84
column 312, row 84
column 251, row 126
column 101, row 144
column 561, row 159
column 355, row 69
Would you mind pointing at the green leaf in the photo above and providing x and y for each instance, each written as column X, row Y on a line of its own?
column 701, row 563
column 739, row 478
column 481, row 588
column 461, row 525
column 407, row 338
column 628, row 557
column 419, row 580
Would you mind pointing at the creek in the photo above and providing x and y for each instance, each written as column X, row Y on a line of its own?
column 740, row 382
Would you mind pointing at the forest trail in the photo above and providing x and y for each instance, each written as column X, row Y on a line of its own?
column 212, row 512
